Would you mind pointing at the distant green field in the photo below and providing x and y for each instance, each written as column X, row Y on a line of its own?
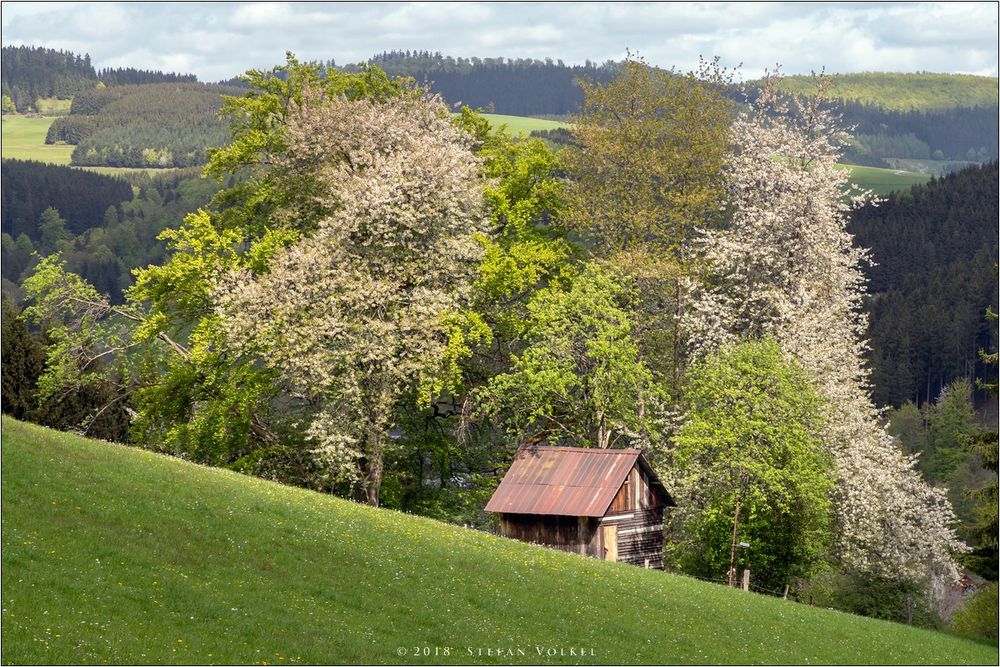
column 903, row 91
column 23, row 138
column 523, row 124
column 883, row 181
column 118, row 555
column 932, row 167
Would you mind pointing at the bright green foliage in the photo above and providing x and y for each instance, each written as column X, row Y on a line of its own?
column 950, row 422
column 23, row 359
column 52, row 231
column 180, row 288
column 979, row 617
column 72, row 311
column 649, row 165
column 646, row 171
column 524, row 195
column 522, row 254
column 580, row 379
column 258, row 138
column 749, row 452
column 167, row 563
column 7, row 105
column 211, row 403
column 192, row 394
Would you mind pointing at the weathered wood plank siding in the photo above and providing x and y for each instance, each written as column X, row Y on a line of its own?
column 640, row 536
column 566, row 533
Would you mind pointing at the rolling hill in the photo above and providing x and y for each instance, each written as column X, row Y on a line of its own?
column 113, row 554
column 903, row 91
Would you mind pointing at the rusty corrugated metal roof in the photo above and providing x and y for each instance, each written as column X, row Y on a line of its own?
column 567, row 481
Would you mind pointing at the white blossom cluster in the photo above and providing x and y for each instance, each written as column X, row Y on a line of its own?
column 351, row 315
column 786, row 267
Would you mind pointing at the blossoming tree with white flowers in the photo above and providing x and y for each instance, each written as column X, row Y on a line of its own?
column 786, row 268
column 357, row 313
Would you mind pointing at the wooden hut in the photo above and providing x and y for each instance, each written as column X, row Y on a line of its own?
column 605, row 503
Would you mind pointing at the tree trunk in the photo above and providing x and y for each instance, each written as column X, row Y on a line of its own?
column 371, row 484
column 603, row 436
column 732, row 546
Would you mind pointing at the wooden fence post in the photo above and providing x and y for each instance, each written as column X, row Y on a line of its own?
column 746, row 580
column 785, row 596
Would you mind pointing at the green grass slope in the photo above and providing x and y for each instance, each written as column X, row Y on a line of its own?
column 884, row 181
column 523, row 124
column 23, row 138
column 116, row 555
column 903, row 91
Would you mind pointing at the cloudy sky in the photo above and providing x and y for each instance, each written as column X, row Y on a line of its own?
column 217, row 40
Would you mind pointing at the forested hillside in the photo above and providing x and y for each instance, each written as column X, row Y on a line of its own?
column 899, row 91
column 154, row 125
column 520, row 87
column 81, row 196
column 103, row 226
column 939, row 117
column 30, row 73
column 935, row 251
column 956, row 134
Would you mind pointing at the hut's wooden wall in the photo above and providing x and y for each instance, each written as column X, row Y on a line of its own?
column 635, row 493
column 640, row 536
column 567, row 533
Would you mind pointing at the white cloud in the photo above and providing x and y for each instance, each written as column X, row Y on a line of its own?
column 218, row 40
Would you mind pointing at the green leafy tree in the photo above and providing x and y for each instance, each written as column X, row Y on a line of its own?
column 52, row 231
column 445, row 462
column 579, row 378
column 749, row 466
column 23, row 360
column 908, row 424
column 950, row 422
column 645, row 171
column 979, row 617
column 192, row 393
column 362, row 310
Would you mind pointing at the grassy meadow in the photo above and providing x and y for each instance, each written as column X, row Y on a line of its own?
column 118, row 555
column 523, row 124
column 24, row 139
column 883, row 181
